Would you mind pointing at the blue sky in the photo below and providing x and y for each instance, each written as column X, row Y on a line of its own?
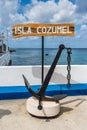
column 24, row 2
column 45, row 11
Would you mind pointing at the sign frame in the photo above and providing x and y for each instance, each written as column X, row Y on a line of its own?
column 33, row 29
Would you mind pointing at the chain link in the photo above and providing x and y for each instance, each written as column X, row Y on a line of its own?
column 68, row 67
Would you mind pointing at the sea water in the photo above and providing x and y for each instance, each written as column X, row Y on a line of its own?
column 29, row 56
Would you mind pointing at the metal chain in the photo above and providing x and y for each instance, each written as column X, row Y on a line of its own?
column 68, row 67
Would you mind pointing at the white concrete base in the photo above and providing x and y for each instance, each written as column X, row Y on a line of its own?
column 49, row 108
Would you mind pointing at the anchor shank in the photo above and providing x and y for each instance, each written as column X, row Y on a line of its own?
column 50, row 72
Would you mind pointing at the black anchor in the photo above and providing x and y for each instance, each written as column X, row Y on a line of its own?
column 40, row 95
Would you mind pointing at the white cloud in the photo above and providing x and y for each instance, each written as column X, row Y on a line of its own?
column 65, row 12
column 7, row 7
column 81, row 6
column 83, row 27
column 82, row 33
column 9, row 13
column 17, row 18
column 45, row 12
column 50, row 11
column 41, row 11
column 34, row 1
column 81, row 12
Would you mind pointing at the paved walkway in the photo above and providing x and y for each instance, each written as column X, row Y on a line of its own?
column 73, row 116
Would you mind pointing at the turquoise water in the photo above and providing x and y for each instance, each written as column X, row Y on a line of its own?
column 33, row 57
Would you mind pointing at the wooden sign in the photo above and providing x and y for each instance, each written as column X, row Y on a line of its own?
column 21, row 30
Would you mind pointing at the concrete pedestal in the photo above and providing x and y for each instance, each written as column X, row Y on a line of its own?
column 49, row 108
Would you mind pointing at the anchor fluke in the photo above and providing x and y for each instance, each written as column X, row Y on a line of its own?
column 26, row 82
column 28, row 86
